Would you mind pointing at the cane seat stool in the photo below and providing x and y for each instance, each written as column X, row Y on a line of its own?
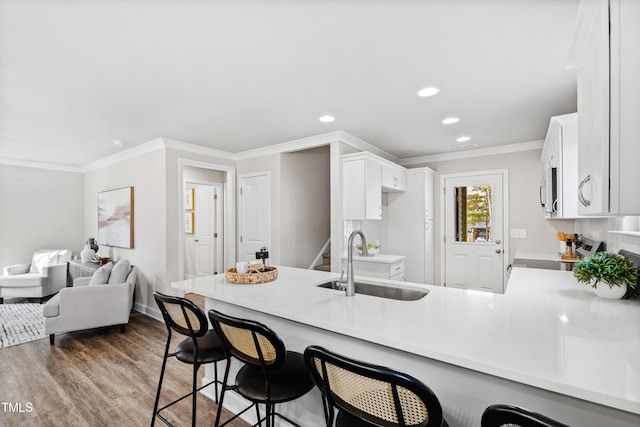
column 201, row 346
column 515, row 416
column 370, row 395
column 270, row 375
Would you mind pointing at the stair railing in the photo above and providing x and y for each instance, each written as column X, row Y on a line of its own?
column 322, row 251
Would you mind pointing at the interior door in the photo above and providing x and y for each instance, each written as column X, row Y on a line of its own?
column 255, row 215
column 474, row 229
column 206, row 222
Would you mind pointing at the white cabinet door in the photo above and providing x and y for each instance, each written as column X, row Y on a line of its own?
column 393, row 178
column 593, row 108
column 410, row 226
column 625, row 105
column 361, row 190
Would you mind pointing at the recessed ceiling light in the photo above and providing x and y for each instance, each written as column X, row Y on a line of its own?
column 326, row 118
column 118, row 143
column 428, row 91
column 450, row 120
column 463, row 139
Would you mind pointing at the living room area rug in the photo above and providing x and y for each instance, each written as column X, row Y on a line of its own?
column 20, row 322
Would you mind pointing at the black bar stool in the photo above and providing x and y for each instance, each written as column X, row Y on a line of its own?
column 271, row 374
column 502, row 415
column 369, row 395
column 202, row 346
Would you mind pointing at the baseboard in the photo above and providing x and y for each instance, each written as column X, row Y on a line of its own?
column 154, row 313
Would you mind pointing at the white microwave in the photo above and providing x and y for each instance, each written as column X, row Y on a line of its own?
column 549, row 190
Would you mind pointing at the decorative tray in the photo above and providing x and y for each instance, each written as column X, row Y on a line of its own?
column 256, row 274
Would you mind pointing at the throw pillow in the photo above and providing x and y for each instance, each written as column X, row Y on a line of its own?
column 120, row 271
column 43, row 259
column 101, row 276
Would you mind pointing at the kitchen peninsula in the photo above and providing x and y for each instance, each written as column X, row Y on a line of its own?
column 547, row 344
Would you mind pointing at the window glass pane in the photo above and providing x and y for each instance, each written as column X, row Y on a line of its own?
column 473, row 213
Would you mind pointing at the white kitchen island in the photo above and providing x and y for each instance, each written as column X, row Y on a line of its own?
column 547, row 344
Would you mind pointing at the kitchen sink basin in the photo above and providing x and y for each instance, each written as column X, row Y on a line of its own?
column 378, row 290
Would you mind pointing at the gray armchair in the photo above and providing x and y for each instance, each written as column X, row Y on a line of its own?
column 44, row 276
column 106, row 299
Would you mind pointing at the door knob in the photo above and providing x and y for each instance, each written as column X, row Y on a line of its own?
column 498, row 251
column 498, row 242
column 196, row 240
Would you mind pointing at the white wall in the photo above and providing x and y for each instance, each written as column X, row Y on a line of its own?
column 305, row 221
column 39, row 209
column 146, row 173
column 525, row 172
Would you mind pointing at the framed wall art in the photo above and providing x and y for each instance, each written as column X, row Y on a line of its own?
column 188, row 222
column 115, row 217
column 188, row 199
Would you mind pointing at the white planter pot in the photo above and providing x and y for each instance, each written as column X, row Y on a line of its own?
column 603, row 290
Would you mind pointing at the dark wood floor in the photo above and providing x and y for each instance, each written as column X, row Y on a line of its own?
column 99, row 377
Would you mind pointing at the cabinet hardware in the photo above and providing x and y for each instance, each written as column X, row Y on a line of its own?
column 581, row 197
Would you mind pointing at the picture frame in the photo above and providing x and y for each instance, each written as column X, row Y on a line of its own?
column 188, row 199
column 116, row 217
column 188, row 222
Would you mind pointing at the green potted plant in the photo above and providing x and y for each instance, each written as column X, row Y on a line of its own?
column 609, row 274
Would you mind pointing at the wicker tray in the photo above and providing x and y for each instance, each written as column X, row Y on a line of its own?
column 256, row 274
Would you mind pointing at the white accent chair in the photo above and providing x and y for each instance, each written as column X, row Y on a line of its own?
column 44, row 276
column 92, row 302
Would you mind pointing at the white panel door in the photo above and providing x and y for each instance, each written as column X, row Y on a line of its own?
column 205, row 229
column 255, row 215
column 474, row 255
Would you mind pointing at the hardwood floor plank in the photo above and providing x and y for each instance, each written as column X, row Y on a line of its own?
column 99, row 377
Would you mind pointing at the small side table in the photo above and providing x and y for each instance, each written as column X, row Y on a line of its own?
column 77, row 268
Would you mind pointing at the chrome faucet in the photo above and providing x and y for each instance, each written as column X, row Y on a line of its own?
column 351, row 286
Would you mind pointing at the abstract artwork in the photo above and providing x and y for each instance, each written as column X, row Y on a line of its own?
column 115, row 217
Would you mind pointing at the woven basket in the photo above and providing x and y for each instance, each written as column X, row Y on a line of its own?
column 256, row 274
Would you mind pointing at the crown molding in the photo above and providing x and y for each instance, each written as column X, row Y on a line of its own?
column 284, row 147
column 41, row 165
column 198, row 149
column 478, row 152
column 363, row 145
column 289, row 146
column 138, row 150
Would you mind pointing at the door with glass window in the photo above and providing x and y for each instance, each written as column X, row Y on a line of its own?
column 473, row 231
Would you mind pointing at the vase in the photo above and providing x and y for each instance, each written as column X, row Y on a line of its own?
column 87, row 253
column 92, row 244
column 603, row 290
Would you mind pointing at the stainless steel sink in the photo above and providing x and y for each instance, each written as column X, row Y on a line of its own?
column 378, row 290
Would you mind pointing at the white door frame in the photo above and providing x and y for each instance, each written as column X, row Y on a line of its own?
column 219, row 225
column 240, row 178
column 229, row 218
column 506, row 238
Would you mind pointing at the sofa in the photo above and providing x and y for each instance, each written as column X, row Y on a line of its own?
column 104, row 299
column 44, row 276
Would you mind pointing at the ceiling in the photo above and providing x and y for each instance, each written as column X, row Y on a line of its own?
column 241, row 74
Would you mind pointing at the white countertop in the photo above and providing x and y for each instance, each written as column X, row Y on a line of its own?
column 380, row 258
column 546, row 331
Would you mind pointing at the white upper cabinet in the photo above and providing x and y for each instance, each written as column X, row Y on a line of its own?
column 394, row 178
column 607, row 61
column 592, row 60
column 559, row 192
column 365, row 177
column 625, row 107
column 361, row 188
